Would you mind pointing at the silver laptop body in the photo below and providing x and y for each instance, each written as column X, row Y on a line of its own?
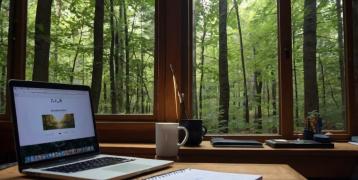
column 55, row 136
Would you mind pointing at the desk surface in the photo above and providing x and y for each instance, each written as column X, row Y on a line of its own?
column 268, row 171
column 339, row 162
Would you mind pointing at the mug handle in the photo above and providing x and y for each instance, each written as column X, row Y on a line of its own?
column 204, row 130
column 186, row 135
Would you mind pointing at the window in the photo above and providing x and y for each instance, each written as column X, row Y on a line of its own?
column 235, row 66
column 236, row 86
column 4, row 28
column 318, row 62
column 166, row 30
column 62, row 36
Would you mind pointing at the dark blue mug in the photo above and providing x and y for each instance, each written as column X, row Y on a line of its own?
column 196, row 131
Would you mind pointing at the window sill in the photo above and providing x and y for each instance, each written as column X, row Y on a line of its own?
column 202, row 153
column 326, row 163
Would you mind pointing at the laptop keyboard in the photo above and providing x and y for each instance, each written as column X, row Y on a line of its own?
column 90, row 164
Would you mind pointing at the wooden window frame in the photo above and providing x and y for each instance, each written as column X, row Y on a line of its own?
column 174, row 46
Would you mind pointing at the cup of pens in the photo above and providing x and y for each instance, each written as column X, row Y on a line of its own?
column 196, row 131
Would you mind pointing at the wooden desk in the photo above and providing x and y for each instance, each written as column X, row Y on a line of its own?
column 268, row 171
column 340, row 162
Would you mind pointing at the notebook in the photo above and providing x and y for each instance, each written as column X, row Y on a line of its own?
column 223, row 142
column 283, row 143
column 55, row 135
column 196, row 174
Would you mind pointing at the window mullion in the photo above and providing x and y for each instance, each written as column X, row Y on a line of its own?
column 285, row 69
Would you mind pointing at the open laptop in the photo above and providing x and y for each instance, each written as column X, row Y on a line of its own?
column 55, row 134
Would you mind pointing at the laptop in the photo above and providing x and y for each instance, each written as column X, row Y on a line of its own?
column 55, row 135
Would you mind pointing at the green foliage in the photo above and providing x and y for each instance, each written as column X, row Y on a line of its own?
column 71, row 55
column 258, row 22
column 260, row 36
column 71, row 51
column 329, row 82
column 4, row 27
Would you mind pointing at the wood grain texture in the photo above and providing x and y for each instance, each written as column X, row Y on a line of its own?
column 285, row 69
column 314, row 163
column 268, row 171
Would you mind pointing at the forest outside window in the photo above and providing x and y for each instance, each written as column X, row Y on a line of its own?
column 106, row 44
column 240, row 95
column 235, row 88
column 318, row 62
column 4, row 28
column 235, row 65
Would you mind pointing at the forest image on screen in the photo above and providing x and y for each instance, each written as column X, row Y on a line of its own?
column 51, row 122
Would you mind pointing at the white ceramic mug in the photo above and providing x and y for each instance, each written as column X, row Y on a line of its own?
column 166, row 139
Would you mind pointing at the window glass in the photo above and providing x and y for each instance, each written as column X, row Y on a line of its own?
column 318, row 63
column 4, row 30
column 235, row 86
column 65, row 43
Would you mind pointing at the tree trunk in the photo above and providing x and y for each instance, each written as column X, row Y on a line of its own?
column 127, row 66
column 111, row 62
column 97, row 54
column 268, row 98
column 274, row 103
column 148, row 100
column 296, row 118
column 224, row 98
column 333, row 95
column 258, row 87
column 340, row 50
column 195, row 109
column 274, row 98
column 83, row 69
column 246, row 100
column 76, row 55
column 120, row 60
column 202, row 59
column 258, row 94
column 138, row 89
column 323, row 80
column 42, row 41
column 309, row 57
column 141, row 69
column 142, row 90
column 105, row 107
column 55, row 54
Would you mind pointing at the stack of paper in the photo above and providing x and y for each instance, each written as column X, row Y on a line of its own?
column 196, row 174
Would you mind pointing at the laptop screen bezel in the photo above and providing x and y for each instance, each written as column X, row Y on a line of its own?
column 35, row 84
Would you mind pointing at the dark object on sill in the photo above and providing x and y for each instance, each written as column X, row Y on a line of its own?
column 307, row 134
column 322, row 138
column 196, row 131
column 222, row 142
column 283, row 143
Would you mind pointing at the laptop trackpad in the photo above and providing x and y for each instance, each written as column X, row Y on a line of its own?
column 128, row 167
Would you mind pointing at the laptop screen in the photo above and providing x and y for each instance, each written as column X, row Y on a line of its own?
column 53, row 123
